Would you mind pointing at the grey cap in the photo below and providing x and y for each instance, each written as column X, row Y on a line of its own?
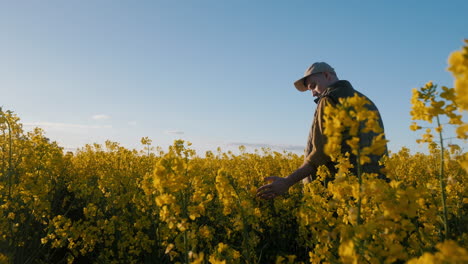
column 314, row 68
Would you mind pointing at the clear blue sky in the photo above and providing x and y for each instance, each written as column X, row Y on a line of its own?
column 216, row 73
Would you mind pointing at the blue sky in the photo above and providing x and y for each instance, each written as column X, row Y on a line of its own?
column 216, row 73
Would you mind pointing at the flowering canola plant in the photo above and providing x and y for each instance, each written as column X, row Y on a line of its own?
column 108, row 204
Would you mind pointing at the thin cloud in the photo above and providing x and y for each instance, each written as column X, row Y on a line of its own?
column 100, row 117
column 132, row 123
column 52, row 125
column 174, row 132
column 69, row 149
column 295, row 148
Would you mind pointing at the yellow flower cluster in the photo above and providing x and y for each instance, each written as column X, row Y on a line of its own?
column 448, row 252
column 428, row 104
column 351, row 118
column 458, row 65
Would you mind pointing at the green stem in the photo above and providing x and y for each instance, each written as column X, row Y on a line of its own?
column 359, row 242
column 185, row 216
column 442, row 182
column 186, row 199
column 246, row 245
column 186, row 249
column 359, row 172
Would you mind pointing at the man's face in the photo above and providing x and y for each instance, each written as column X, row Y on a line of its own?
column 317, row 83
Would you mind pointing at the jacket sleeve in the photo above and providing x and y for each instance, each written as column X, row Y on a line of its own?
column 317, row 156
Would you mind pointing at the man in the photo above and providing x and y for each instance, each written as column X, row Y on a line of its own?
column 321, row 79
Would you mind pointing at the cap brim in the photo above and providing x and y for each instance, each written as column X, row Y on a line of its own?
column 300, row 84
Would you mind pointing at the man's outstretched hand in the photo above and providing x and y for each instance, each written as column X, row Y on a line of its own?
column 277, row 187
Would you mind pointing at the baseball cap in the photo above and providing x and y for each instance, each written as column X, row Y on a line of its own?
column 314, row 68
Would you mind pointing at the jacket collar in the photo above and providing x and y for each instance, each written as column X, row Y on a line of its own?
column 334, row 88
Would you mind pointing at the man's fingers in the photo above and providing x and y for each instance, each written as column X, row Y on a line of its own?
column 266, row 192
column 264, row 187
column 267, row 196
column 270, row 178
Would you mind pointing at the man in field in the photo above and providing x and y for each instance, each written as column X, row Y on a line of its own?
column 321, row 79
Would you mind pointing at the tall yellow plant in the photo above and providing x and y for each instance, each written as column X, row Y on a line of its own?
column 350, row 119
column 429, row 104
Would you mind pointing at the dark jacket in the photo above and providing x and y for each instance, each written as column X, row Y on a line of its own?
column 314, row 153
